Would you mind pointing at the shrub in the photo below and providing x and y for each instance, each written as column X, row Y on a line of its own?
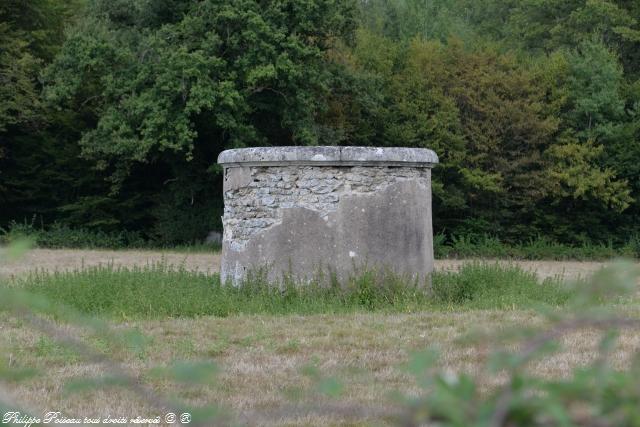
column 485, row 246
column 59, row 236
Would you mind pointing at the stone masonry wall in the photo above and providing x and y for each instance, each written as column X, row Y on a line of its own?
column 255, row 196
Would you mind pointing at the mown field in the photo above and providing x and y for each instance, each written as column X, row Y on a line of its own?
column 64, row 259
column 282, row 358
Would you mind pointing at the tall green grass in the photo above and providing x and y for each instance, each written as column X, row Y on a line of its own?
column 160, row 291
column 495, row 286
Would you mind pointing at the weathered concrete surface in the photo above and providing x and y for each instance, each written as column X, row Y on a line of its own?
column 326, row 210
column 338, row 156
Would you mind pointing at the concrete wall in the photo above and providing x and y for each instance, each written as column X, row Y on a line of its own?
column 301, row 216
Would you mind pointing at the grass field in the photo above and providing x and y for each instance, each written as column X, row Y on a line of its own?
column 270, row 348
column 69, row 259
column 262, row 359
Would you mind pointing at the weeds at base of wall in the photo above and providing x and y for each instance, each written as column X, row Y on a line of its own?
column 161, row 290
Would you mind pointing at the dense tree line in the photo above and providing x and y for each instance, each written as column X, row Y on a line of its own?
column 112, row 113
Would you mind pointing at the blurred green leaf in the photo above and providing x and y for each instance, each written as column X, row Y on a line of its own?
column 420, row 362
column 18, row 248
column 330, row 387
column 200, row 373
column 79, row 385
column 13, row 373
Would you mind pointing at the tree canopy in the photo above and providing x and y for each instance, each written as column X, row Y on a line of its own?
column 113, row 112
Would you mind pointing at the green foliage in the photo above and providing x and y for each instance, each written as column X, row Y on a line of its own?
column 62, row 236
column 17, row 66
column 407, row 19
column 548, row 25
column 594, row 87
column 249, row 70
column 574, row 177
column 30, row 33
column 113, row 112
column 497, row 126
column 143, row 96
column 527, row 114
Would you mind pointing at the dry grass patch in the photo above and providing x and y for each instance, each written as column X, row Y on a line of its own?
column 70, row 259
column 262, row 360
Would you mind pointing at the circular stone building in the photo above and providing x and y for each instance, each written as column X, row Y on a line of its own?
column 301, row 212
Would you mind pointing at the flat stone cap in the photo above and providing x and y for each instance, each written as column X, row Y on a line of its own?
column 329, row 156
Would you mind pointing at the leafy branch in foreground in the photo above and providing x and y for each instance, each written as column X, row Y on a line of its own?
column 37, row 311
column 592, row 395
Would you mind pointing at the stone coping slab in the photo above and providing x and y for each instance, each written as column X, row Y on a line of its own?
column 329, row 156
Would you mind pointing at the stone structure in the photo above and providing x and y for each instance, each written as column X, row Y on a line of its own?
column 298, row 211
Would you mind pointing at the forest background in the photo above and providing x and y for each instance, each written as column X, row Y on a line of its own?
column 112, row 112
